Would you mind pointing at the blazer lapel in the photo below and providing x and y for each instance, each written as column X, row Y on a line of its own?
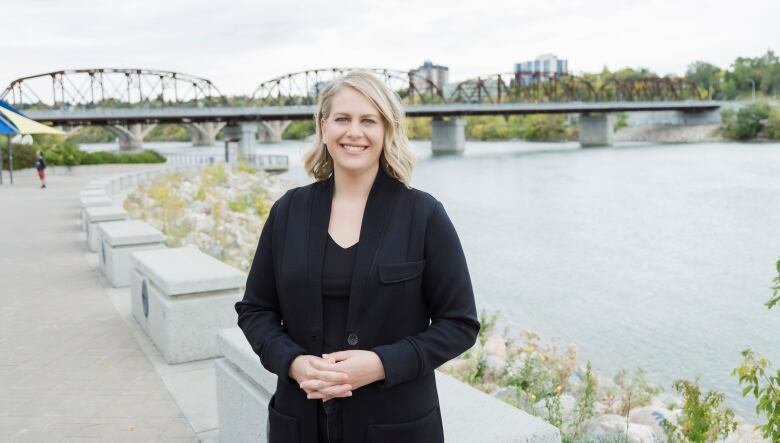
column 318, row 236
column 380, row 201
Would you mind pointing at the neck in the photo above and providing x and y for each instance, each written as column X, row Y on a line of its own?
column 353, row 186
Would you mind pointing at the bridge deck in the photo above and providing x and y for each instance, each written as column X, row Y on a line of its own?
column 238, row 114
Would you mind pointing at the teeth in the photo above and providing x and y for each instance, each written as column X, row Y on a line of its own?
column 354, row 148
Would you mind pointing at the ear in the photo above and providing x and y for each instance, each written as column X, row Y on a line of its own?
column 322, row 127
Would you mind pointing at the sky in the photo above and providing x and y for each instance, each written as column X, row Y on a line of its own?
column 240, row 43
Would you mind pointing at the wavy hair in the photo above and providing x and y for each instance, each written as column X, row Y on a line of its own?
column 397, row 158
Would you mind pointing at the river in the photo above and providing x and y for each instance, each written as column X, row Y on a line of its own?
column 653, row 256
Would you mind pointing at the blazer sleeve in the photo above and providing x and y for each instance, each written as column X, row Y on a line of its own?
column 259, row 314
column 450, row 298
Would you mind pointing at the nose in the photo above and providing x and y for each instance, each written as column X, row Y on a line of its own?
column 354, row 130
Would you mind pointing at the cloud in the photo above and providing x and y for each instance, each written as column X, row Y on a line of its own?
column 238, row 43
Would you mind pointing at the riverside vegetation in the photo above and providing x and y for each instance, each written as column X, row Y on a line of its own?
column 62, row 152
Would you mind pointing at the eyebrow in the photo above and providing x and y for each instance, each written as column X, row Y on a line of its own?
column 364, row 115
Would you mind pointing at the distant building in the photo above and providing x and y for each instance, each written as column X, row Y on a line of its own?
column 436, row 74
column 544, row 66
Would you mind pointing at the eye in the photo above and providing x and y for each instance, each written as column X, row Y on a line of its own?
column 368, row 121
column 341, row 119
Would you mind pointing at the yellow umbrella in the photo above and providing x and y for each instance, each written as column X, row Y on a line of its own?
column 24, row 126
column 28, row 126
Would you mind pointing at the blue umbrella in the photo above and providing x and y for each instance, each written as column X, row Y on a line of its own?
column 8, row 129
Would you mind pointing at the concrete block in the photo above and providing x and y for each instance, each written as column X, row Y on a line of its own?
column 92, row 201
column 120, row 238
column 242, row 408
column 101, row 214
column 181, row 297
column 244, row 389
column 92, row 193
column 97, row 184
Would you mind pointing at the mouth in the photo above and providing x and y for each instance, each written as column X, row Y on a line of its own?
column 353, row 149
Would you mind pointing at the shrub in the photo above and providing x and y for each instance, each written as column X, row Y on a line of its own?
column 702, row 419
column 759, row 380
column 728, row 123
column 773, row 124
column 299, row 130
column 24, row 156
column 751, row 120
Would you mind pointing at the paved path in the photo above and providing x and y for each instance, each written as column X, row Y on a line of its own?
column 70, row 369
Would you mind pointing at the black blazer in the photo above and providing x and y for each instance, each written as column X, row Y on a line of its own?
column 411, row 302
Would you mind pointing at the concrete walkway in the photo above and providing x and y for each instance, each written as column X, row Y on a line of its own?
column 71, row 369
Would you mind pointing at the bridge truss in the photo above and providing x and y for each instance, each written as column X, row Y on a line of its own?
column 303, row 88
column 111, row 88
column 143, row 88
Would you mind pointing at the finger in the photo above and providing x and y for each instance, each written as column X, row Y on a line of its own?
column 326, row 371
column 324, row 365
column 340, row 355
column 316, row 395
column 337, row 391
column 315, row 384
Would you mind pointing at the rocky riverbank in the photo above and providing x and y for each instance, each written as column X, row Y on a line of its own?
column 669, row 134
column 218, row 209
column 545, row 380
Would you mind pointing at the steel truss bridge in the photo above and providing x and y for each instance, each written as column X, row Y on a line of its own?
column 121, row 98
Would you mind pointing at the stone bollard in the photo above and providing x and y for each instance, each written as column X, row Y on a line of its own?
column 115, row 185
column 118, row 240
column 90, row 202
column 101, row 214
column 92, row 193
column 181, row 297
column 101, row 184
column 244, row 389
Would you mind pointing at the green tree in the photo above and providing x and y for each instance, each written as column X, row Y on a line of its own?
column 705, row 75
column 757, row 379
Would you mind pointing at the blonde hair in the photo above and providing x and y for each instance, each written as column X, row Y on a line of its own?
column 397, row 158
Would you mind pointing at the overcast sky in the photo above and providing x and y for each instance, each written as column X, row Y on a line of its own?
column 239, row 43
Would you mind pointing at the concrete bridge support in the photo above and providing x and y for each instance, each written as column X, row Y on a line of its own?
column 271, row 131
column 448, row 136
column 203, row 134
column 596, row 130
column 244, row 132
column 131, row 136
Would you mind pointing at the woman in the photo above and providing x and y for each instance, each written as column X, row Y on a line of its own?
column 359, row 288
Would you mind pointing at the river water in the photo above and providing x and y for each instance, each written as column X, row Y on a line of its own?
column 653, row 256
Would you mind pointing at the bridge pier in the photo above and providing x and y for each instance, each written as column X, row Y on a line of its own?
column 131, row 136
column 203, row 134
column 271, row 131
column 596, row 130
column 244, row 132
column 448, row 136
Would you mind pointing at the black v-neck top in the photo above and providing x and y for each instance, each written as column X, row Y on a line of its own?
column 336, row 283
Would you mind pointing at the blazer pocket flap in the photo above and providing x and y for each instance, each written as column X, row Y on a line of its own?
column 426, row 429
column 398, row 272
column 281, row 427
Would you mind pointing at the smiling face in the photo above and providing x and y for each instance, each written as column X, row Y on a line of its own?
column 353, row 132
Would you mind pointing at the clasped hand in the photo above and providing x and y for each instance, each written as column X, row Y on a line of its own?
column 337, row 374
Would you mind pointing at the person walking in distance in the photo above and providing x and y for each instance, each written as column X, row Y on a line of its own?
column 40, row 165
